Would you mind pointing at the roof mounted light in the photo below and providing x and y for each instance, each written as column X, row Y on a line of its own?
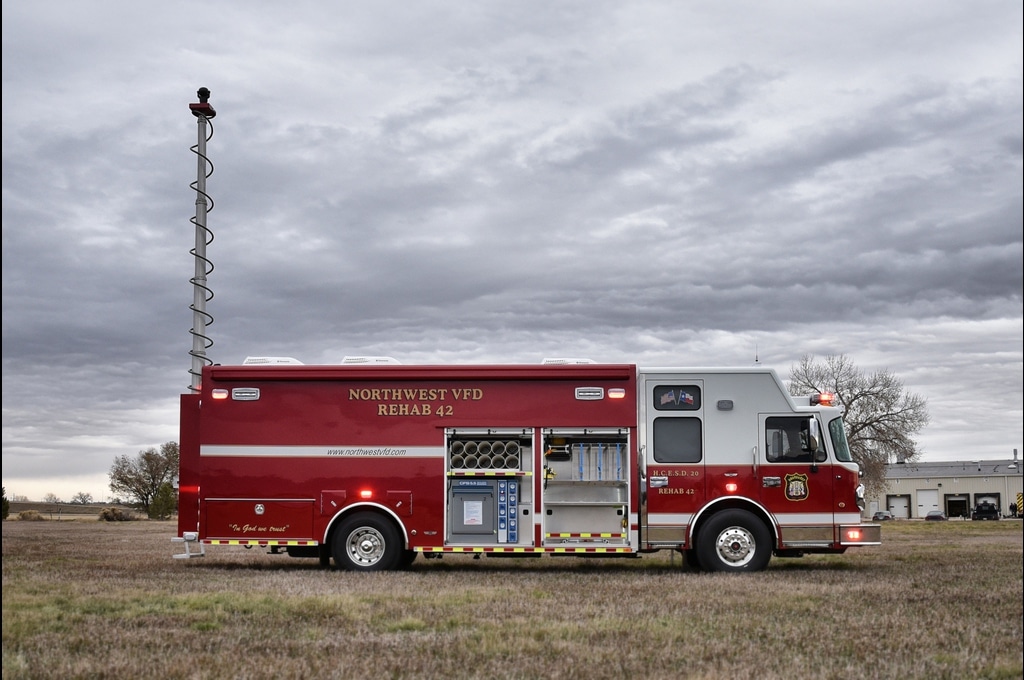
column 823, row 399
column 375, row 361
column 566, row 361
column 271, row 361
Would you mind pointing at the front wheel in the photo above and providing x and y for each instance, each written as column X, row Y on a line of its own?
column 366, row 542
column 407, row 558
column 734, row 541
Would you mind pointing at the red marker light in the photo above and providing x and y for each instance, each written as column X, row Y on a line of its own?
column 616, row 393
column 218, row 394
column 853, row 535
column 731, row 487
column 366, row 494
column 825, row 399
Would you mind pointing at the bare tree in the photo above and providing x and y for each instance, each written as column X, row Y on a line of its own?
column 881, row 417
column 140, row 478
column 52, row 498
column 82, row 498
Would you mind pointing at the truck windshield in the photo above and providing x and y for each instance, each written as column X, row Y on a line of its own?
column 839, row 443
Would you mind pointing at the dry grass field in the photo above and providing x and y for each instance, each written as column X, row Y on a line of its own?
column 89, row 599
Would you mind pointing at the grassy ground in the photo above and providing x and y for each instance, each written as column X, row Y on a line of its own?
column 88, row 599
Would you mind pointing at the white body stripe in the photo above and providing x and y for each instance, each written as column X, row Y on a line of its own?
column 323, row 451
column 789, row 519
column 783, row 518
column 669, row 519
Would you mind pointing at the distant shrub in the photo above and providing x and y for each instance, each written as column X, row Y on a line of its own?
column 30, row 516
column 116, row 515
column 163, row 503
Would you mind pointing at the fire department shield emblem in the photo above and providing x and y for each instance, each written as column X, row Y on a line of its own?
column 796, row 487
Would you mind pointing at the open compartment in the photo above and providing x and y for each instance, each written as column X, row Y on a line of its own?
column 586, row 485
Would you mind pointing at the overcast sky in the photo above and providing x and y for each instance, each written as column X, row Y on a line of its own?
column 659, row 182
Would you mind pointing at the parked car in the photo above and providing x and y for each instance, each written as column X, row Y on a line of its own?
column 882, row 516
column 935, row 516
column 985, row 510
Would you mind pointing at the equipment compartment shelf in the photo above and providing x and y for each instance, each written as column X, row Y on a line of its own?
column 586, row 493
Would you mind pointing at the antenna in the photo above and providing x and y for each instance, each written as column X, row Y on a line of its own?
column 201, row 293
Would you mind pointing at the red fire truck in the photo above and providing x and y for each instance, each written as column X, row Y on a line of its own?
column 373, row 463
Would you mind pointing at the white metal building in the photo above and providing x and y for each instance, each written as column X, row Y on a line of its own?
column 912, row 489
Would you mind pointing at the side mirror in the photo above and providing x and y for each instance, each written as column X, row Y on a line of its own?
column 813, row 434
column 814, row 447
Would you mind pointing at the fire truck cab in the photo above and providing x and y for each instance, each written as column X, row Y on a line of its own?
column 370, row 464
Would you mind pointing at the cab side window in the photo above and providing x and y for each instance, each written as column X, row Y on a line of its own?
column 677, row 440
column 789, row 440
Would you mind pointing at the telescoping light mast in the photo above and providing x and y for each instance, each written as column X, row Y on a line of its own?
column 201, row 293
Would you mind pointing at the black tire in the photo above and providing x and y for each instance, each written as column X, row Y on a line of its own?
column 690, row 558
column 366, row 542
column 734, row 541
column 408, row 557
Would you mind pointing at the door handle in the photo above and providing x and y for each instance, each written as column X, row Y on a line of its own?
column 658, row 482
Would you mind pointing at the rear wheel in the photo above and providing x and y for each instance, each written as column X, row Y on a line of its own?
column 734, row 541
column 366, row 542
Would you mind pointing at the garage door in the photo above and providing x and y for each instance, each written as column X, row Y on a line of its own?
column 899, row 506
column 927, row 500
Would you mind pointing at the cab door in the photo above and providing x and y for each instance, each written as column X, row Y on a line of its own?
column 796, row 479
column 672, row 458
